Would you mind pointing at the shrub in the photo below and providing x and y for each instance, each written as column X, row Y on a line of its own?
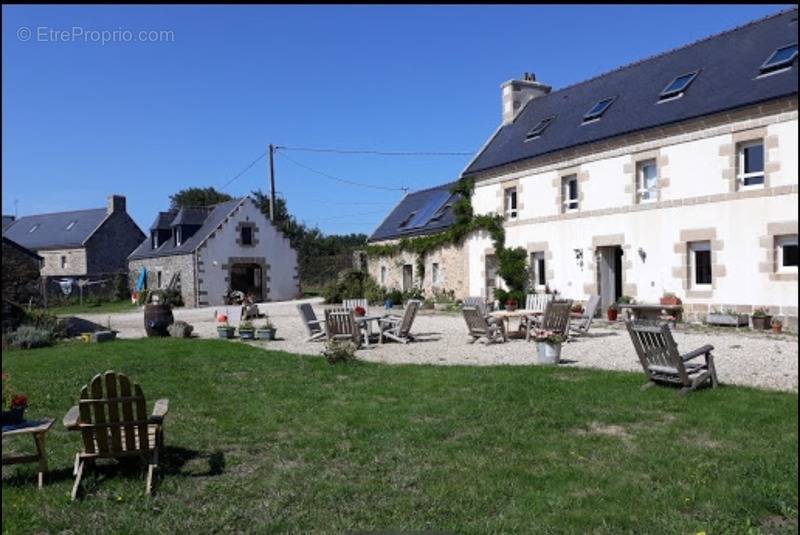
column 413, row 293
column 374, row 294
column 45, row 321
column 352, row 284
column 395, row 296
column 29, row 337
column 120, row 290
column 339, row 351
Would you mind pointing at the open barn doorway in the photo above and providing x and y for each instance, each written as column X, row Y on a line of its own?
column 247, row 278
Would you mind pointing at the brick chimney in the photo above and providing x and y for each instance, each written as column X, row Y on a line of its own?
column 517, row 93
column 115, row 203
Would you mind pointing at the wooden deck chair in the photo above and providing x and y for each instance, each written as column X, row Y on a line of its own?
column 349, row 304
column 398, row 328
column 315, row 327
column 537, row 302
column 555, row 319
column 111, row 416
column 583, row 323
column 476, row 302
column 342, row 325
column 479, row 327
column 662, row 362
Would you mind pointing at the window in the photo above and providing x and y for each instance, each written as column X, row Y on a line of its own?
column 647, row 181
column 383, row 275
column 569, row 192
column 405, row 221
column 678, row 86
column 537, row 130
column 750, row 164
column 440, row 213
column 177, row 236
column 247, row 235
column 786, row 253
column 510, row 196
column 71, row 224
column 34, row 227
column 598, row 109
column 538, row 277
column 63, row 261
column 435, row 273
column 781, row 58
column 700, row 264
column 158, row 279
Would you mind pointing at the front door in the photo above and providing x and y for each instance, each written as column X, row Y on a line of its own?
column 609, row 275
column 408, row 277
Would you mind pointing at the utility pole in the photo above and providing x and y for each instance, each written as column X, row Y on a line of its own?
column 271, row 183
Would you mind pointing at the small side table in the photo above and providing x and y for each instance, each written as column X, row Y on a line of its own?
column 38, row 431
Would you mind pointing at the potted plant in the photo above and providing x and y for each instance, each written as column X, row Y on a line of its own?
column 612, row 312
column 359, row 311
column 761, row 320
column 670, row 299
column 511, row 304
column 777, row 326
column 548, row 346
column 246, row 330
column 726, row 317
column 14, row 403
column 224, row 330
column 266, row 331
column 577, row 308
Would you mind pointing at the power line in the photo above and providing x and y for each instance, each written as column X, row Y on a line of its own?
column 350, row 215
column 243, row 171
column 376, row 152
column 342, row 180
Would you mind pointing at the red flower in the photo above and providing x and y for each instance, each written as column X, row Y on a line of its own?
column 359, row 311
column 19, row 401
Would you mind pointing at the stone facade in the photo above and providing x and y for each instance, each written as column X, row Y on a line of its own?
column 167, row 266
column 108, row 248
column 452, row 270
column 64, row 262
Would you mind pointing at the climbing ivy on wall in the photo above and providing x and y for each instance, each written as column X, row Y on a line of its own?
column 511, row 262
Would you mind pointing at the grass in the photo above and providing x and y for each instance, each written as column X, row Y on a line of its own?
column 93, row 308
column 268, row 442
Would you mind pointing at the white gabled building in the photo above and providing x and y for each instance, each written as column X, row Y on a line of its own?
column 677, row 174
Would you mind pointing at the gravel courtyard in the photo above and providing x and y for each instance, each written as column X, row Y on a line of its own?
column 746, row 358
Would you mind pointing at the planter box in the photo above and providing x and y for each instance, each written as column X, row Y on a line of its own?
column 247, row 334
column 761, row 323
column 226, row 332
column 265, row 334
column 673, row 300
column 548, row 353
column 734, row 320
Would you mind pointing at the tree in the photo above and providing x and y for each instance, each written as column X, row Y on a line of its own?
column 198, row 197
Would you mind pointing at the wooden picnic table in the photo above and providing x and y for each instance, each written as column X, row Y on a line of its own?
column 653, row 311
column 521, row 314
column 38, row 430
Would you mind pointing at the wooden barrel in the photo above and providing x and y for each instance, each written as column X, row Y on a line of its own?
column 157, row 318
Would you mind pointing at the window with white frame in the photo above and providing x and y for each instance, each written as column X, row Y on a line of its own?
column 750, row 164
column 510, row 196
column 786, row 254
column 538, row 277
column 383, row 275
column 569, row 192
column 647, row 181
column 700, row 265
column 435, row 274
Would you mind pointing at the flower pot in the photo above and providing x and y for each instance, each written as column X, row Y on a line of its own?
column 511, row 307
column 761, row 323
column 388, row 304
column 734, row 320
column 612, row 314
column 777, row 328
column 671, row 300
column 247, row 334
column 13, row 416
column 225, row 332
column 265, row 334
column 548, row 353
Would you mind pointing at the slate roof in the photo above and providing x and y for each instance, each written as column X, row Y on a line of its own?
column 191, row 216
column 215, row 216
column 413, row 202
column 20, row 248
column 729, row 65
column 163, row 220
column 52, row 232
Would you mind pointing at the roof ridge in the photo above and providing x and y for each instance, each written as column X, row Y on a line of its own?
column 672, row 50
column 62, row 212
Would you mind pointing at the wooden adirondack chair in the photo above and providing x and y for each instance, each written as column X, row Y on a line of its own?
column 537, row 302
column 315, row 327
column 555, row 319
column 398, row 328
column 479, row 327
column 342, row 325
column 349, row 304
column 585, row 321
column 662, row 362
column 111, row 416
column 476, row 302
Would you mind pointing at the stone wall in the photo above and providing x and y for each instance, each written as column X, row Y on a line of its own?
column 75, row 262
column 453, row 272
column 168, row 266
column 108, row 248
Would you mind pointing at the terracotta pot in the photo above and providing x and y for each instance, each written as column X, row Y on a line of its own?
column 671, row 300
column 612, row 314
column 777, row 328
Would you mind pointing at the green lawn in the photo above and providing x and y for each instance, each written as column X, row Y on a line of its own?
column 101, row 308
column 265, row 442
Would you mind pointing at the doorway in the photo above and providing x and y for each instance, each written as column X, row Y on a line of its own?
column 609, row 275
column 491, row 276
column 247, row 278
column 408, row 277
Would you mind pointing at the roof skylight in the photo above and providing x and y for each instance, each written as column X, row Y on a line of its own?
column 678, row 86
column 782, row 57
column 71, row 224
column 598, row 109
column 537, row 130
column 33, row 228
column 405, row 221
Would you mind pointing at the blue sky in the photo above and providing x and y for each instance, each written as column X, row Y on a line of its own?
column 83, row 119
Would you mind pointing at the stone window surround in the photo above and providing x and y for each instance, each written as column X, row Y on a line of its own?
column 682, row 272
column 631, row 171
column 558, row 183
column 730, row 153
column 769, row 256
column 542, row 247
column 501, row 196
column 609, row 240
column 254, row 233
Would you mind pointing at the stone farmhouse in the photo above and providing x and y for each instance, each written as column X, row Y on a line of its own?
column 82, row 243
column 677, row 173
column 206, row 251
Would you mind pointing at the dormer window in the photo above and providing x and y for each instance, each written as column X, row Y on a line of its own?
column 598, row 109
column 781, row 58
column 177, row 236
column 678, row 86
column 537, row 130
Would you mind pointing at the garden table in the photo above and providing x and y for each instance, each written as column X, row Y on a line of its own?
column 653, row 311
column 37, row 429
column 365, row 322
column 520, row 314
